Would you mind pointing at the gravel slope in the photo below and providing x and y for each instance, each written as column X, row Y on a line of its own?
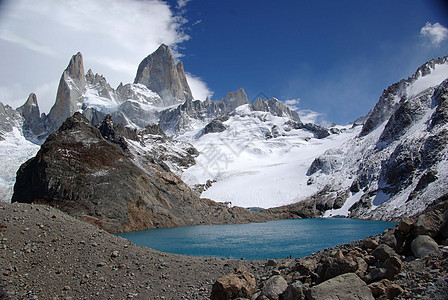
column 47, row 254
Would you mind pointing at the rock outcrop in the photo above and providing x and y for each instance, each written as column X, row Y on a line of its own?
column 159, row 73
column 80, row 172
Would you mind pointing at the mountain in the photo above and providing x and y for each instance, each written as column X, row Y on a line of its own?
column 159, row 73
column 260, row 154
column 97, row 178
column 397, row 163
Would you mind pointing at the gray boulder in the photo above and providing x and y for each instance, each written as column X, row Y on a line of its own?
column 274, row 287
column 383, row 252
column 347, row 286
column 295, row 291
column 424, row 245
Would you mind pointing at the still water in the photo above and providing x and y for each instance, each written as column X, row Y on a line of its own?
column 277, row 239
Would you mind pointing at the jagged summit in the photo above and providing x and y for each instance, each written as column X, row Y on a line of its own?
column 159, row 73
column 70, row 92
column 34, row 125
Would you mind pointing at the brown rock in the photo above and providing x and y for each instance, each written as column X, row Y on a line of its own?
column 379, row 288
column 405, row 224
column 240, row 283
column 393, row 291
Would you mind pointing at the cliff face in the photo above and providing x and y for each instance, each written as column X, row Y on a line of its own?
column 80, row 172
column 69, row 97
column 159, row 73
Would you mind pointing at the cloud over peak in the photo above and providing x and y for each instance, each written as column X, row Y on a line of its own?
column 436, row 33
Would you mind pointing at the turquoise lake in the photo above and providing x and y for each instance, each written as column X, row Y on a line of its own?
column 276, row 239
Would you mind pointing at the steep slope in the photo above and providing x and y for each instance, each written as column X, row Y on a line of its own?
column 398, row 163
column 80, row 172
column 159, row 73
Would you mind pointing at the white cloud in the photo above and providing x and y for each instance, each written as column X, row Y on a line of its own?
column 293, row 103
column 198, row 87
column 182, row 3
column 30, row 44
column 311, row 116
column 435, row 32
column 113, row 36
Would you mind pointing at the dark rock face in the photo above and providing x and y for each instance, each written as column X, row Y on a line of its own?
column 214, row 126
column 80, row 172
column 160, row 74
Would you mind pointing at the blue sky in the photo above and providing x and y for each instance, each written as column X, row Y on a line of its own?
column 330, row 59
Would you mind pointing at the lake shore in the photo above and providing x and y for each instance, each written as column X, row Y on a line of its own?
column 46, row 254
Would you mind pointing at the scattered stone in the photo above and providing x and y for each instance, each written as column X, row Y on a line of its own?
column 346, row 286
column 424, row 245
column 115, row 254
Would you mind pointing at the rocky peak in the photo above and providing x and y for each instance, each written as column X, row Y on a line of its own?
column 70, row 92
column 234, row 99
column 275, row 107
column 159, row 73
column 397, row 94
column 34, row 125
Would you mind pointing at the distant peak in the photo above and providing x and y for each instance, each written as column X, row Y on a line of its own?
column 75, row 68
column 159, row 73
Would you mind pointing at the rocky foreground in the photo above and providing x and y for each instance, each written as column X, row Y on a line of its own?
column 47, row 254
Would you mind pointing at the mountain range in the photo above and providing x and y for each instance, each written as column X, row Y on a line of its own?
column 241, row 153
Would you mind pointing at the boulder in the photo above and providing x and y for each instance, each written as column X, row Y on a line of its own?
column 424, row 245
column 393, row 291
column 393, row 265
column 295, row 291
column 383, row 252
column 333, row 267
column 405, row 224
column 239, row 284
column 346, row 286
column 274, row 287
column 379, row 288
column 429, row 223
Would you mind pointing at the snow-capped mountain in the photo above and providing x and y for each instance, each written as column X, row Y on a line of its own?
column 260, row 154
